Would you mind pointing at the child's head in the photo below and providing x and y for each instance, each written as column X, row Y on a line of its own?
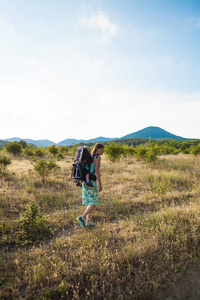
column 88, row 149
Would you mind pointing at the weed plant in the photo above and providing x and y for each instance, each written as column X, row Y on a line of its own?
column 148, row 230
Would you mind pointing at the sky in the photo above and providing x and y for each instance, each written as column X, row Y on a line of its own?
column 88, row 68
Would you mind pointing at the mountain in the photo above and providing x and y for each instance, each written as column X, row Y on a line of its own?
column 38, row 143
column 69, row 142
column 153, row 133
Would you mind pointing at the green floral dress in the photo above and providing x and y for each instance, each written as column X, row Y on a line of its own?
column 90, row 195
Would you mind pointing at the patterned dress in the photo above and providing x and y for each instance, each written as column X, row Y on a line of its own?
column 90, row 195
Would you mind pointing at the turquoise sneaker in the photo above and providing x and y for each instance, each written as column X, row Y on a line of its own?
column 81, row 221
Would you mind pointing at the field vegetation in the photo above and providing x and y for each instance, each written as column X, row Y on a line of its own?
column 148, row 222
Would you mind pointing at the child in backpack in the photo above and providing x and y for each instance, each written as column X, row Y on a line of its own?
column 87, row 169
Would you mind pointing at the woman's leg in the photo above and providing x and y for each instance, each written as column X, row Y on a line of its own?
column 88, row 211
column 88, row 218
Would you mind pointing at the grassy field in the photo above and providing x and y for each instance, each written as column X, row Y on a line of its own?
column 148, row 230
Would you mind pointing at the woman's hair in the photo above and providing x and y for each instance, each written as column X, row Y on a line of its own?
column 96, row 147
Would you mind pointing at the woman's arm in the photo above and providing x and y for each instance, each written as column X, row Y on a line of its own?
column 97, row 171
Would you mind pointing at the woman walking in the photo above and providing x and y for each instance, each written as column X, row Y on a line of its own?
column 90, row 195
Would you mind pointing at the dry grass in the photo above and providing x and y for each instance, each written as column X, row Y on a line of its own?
column 148, row 230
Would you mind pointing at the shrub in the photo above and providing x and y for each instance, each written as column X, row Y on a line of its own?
column 113, row 152
column 59, row 156
column 128, row 150
column 4, row 162
column 44, row 167
column 23, row 143
column 195, row 150
column 14, row 148
column 39, row 152
column 151, row 155
column 63, row 149
column 53, row 149
column 141, row 151
column 33, row 224
column 29, row 150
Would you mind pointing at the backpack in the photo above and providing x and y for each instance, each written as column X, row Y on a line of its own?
column 82, row 158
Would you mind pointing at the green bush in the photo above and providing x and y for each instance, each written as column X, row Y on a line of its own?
column 14, row 148
column 39, row 152
column 23, row 143
column 53, row 149
column 44, row 167
column 33, row 224
column 29, row 150
column 63, row 149
column 113, row 152
column 195, row 150
column 151, row 154
column 4, row 162
column 59, row 156
column 128, row 150
column 141, row 151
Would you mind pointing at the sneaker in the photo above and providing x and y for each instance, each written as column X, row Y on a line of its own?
column 81, row 221
column 89, row 184
column 90, row 225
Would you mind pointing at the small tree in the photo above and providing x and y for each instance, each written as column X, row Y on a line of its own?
column 63, row 149
column 39, row 152
column 113, row 152
column 14, row 148
column 128, row 150
column 44, row 167
column 141, row 151
column 195, row 150
column 23, row 143
column 151, row 154
column 53, row 149
column 33, row 224
column 4, row 162
column 29, row 150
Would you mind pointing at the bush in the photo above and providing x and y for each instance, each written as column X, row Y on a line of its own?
column 29, row 150
column 59, row 156
column 195, row 150
column 53, row 149
column 63, row 149
column 113, row 152
column 141, row 151
column 33, row 224
column 39, row 152
column 4, row 162
column 151, row 154
column 23, row 143
column 44, row 167
column 128, row 150
column 14, row 148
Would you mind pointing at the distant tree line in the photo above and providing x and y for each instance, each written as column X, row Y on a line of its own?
column 43, row 159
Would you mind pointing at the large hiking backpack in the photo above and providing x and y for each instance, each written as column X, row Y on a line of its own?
column 82, row 157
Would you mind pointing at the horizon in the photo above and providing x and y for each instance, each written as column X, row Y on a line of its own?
column 99, row 68
column 96, row 137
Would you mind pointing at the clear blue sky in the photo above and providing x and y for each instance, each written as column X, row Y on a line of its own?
column 83, row 69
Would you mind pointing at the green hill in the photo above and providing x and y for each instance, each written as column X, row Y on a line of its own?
column 153, row 133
